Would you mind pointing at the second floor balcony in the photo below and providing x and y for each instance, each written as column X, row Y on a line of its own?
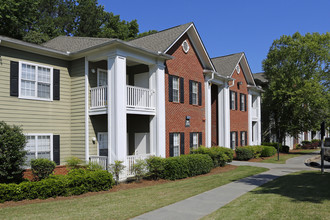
column 137, row 99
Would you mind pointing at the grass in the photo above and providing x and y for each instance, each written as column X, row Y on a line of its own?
column 126, row 203
column 285, row 157
column 302, row 195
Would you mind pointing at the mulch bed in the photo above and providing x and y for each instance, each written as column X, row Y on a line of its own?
column 122, row 186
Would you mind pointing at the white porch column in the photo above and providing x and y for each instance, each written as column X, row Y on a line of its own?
column 117, row 118
column 250, row 118
column 208, row 114
column 259, row 120
column 159, row 71
column 153, row 119
column 86, row 112
column 226, row 110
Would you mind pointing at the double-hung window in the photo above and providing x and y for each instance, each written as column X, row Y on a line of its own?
column 243, row 138
column 233, row 100
column 233, row 139
column 194, row 94
column 242, row 102
column 176, row 144
column 39, row 146
column 175, row 89
column 35, row 81
column 194, row 144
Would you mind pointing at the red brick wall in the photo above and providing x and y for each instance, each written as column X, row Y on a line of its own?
column 239, row 120
column 214, row 115
column 189, row 67
column 59, row 170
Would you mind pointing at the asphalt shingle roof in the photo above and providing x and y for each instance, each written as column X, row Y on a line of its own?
column 225, row 65
column 74, row 44
column 260, row 76
column 160, row 41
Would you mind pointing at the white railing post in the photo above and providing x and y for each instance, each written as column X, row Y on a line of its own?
column 99, row 97
column 138, row 97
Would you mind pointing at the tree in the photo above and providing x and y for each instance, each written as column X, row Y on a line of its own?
column 297, row 98
column 38, row 21
column 12, row 153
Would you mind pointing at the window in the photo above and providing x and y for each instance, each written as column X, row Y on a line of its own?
column 254, row 131
column 185, row 46
column 102, row 79
column 243, row 138
column 103, row 143
column 194, row 141
column 35, row 81
column 38, row 146
column 175, row 89
column 176, row 144
column 233, row 100
column 242, row 102
column 194, row 93
column 233, row 139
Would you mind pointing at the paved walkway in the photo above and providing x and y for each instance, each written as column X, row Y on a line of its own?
column 205, row 203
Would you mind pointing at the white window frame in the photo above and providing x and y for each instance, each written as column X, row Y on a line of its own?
column 36, row 82
column 194, row 87
column 195, row 140
column 233, row 100
column 242, row 102
column 176, row 89
column 176, row 144
column 233, row 139
column 98, row 76
column 36, row 143
column 98, row 141
column 243, row 137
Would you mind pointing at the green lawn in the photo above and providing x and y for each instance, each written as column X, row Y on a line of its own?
column 285, row 157
column 302, row 195
column 126, row 203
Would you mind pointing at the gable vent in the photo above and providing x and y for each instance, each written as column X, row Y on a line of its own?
column 185, row 46
column 238, row 69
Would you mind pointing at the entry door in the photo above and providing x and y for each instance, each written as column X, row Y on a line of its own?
column 141, row 143
column 103, row 143
column 102, row 79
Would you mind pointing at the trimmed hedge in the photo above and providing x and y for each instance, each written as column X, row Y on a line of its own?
column 256, row 150
column 219, row 155
column 42, row 168
column 155, row 166
column 186, row 166
column 76, row 182
column 268, row 151
column 283, row 148
column 243, row 153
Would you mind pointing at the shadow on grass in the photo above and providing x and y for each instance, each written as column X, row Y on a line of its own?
column 304, row 186
column 317, row 152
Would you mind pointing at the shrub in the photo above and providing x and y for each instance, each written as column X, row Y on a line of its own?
column 139, row 168
column 116, row 169
column 316, row 141
column 93, row 166
column 12, row 153
column 186, row 166
column 78, row 181
column 256, row 149
column 268, row 151
column 74, row 163
column 219, row 155
column 243, row 153
column 155, row 167
column 42, row 168
column 285, row 149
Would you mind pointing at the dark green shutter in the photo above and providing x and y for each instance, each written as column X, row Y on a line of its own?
column 191, row 140
column 236, row 135
column 171, row 145
column 181, row 143
column 190, row 92
column 56, row 149
column 245, row 103
column 236, row 101
column 246, row 143
column 230, row 100
column 231, row 140
column 181, row 90
column 200, row 138
column 56, row 84
column 199, row 93
column 14, row 66
column 170, row 88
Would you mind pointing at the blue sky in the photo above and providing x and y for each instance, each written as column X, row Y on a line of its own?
column 228, row 27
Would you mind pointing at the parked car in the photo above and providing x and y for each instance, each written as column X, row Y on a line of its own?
column 327, row 149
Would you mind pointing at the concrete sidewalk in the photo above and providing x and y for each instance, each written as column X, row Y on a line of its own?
column 205, row 203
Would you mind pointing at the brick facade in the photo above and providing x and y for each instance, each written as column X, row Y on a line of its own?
column 187, row 66
column 239, row 120
column 59, row 170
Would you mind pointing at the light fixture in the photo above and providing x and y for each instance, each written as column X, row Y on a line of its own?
column 93, row 70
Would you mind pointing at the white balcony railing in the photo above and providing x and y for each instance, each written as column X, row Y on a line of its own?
column 138, row 97
column 100, row 160
column 130, row 160
column 99, row 97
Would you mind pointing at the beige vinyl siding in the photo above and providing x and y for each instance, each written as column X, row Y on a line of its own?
column 36, row 116
column 77, row 72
